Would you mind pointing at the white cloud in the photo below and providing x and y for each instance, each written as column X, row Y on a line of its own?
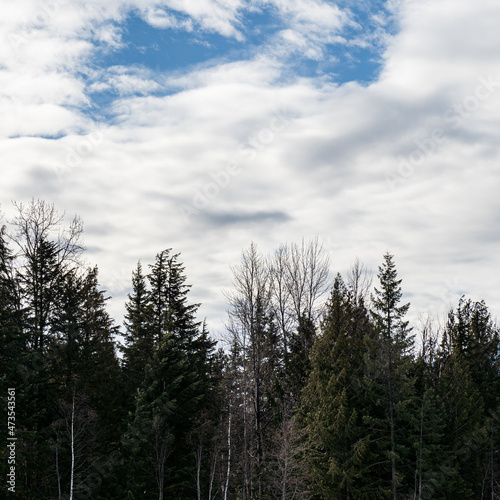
column 310, row 26
column 220, row 16
column 158, row 18
column 124, row 80
column 328, row 168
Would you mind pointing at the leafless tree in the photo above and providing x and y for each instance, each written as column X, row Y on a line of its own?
column 46, row 251
column 306, row 276
column 249, row 303
column 359, row 281
column 269, row 299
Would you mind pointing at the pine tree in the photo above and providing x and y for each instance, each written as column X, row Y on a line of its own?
column 300, row 364
column 157, row 438
column 85, row 368
column 469, row 387
column 12, row 344
column 171, row 312
column 433, row 470
column 394, row 370
column 175, row 354
column 45, row 254
column 139, row 341
column 333, row 402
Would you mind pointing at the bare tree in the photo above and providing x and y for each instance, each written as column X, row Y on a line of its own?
column 46, row 251
column 273, row 304
column 299, row 279
column 281, row 295
column 306, row 276
column 359, row 281
column 249, row 305
column 162, row 445
column 288, row 476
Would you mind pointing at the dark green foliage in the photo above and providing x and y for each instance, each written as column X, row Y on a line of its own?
column 170, row 312
column 12, row 342
column 390, row 369
column 469, row 388
column 158, row 432
column 170, row 367
column 334, row 403
column 299, row 365
column 341, row 408
column 139, row 339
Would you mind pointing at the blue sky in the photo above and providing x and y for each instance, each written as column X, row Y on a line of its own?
column 204, row 125
column 161, row 50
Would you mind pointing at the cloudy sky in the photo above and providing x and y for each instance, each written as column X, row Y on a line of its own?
column 203, row 125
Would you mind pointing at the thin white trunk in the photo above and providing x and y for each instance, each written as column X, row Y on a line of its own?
column 212, row 469
column 198, row 468
column 72, row 481
column 228, row 452
column 57, row 469
column 285, row 468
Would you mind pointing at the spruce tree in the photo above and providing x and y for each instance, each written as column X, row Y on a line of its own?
column 139, row 340
column 333, row 403
column 12, row 344
column 433, row 461
column 85, row 369
column 173, row 354
column 469, row 387
column 393, row 373
column 171, row 312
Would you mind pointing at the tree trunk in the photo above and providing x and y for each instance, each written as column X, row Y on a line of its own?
column 285, row 465
column 57, row 470
column 228, row 452
column 198, row 467
column 245, row 441
column 418, row 496
column 72, row 481
column 393, row 437
column 258, row 416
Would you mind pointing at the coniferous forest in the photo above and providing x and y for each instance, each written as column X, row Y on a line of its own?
column 321, row 389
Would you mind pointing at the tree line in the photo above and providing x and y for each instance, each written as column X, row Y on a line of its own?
column 320, row 390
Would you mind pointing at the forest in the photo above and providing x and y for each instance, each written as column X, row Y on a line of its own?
column 320, row 389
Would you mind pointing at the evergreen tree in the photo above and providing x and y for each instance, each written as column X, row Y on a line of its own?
column 469, row 387
column 45, row 254
column 175, row 353
column 171, row 312
column 139, row 341
column 300, row 364
column 85, row 368
column 434, row 470
column 393, row 373
column 12, row 344
column 333, row 403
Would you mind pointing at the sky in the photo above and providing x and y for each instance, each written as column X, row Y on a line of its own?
column 204, row 125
